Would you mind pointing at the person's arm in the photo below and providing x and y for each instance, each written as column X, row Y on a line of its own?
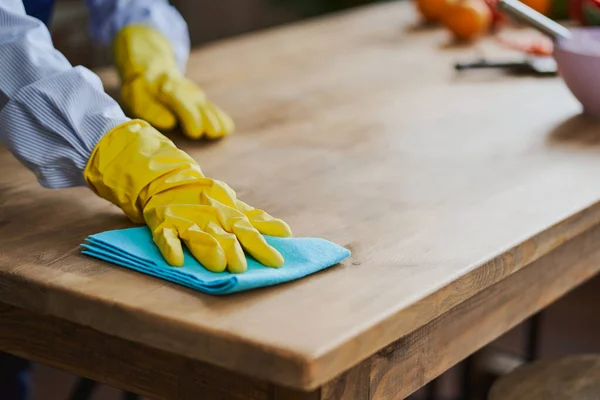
column 150, row 44
column 108, row 17
column 52, row 114
column 59, row 122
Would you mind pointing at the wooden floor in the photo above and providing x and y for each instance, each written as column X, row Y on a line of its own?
column 572, row 325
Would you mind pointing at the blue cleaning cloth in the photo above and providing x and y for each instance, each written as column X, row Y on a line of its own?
column 133, row 248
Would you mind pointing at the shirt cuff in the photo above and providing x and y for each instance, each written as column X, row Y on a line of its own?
column 53, row 125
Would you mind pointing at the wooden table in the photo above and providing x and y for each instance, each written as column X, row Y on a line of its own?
column 468, row 202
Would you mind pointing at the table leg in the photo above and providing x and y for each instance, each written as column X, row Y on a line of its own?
column 130, row 396
column 431, row 390
column 533, row 337
column 467, row 379
column 83, row 390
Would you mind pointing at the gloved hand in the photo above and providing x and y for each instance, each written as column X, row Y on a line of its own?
column 154, row 89
column 152, row 181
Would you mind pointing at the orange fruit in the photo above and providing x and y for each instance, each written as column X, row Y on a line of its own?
column 431, row 10
column 467, row 19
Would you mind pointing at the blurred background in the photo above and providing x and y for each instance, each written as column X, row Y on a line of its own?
column 207, row 20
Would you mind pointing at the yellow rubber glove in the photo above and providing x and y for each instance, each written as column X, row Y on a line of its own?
column 154, row 89
column 151, row 180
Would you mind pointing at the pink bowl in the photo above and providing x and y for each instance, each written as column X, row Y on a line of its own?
column 578, row 61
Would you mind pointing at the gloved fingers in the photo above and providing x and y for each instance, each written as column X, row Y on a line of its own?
column 236, row 260
column 205, row 248
column 200, row 229
column 168, row 243
column 211, row 122
column 227, row 124
column 184, row 102
column 158, row 116
column 241, row 212
column 268, row 225
column 255, row 244
column 218, row 124
column 219, row 193
column 181, row 213
column 263, row 222
column 173, row 223
column 143, row 104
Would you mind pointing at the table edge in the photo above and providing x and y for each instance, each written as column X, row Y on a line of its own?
column 309, row 370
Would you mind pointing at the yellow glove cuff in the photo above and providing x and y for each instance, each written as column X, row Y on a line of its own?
column 132, row 161
column 141, row 49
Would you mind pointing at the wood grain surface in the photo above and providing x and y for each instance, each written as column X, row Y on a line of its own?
column 392, row 373
column 354, row 128
column 118, row 362
column 574, row 377
column 410, row 363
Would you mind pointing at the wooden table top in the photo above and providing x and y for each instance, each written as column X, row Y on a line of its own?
column 354, row 128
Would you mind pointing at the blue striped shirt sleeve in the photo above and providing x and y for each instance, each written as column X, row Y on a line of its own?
column 52, row 114
column 109, row 16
